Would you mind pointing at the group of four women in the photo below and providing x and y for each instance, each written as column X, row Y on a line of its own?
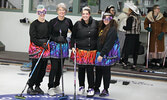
column 96, row 45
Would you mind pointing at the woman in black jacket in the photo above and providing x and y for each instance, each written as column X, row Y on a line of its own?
column 85, row 36
column 58, row 29
column 108, row 52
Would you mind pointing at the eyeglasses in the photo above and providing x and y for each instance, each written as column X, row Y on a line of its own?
column 107, row 19
column 61, row 10
column 42, row 12
column 158, row 8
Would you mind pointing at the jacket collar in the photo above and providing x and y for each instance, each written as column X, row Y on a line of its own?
column 151, row 18
column 90, row 21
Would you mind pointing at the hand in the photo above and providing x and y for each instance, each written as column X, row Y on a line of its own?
column 160, row 36
column 60, row 39
column 99, row 59
column 73, row 50
column 148, row 29
column 45, row 46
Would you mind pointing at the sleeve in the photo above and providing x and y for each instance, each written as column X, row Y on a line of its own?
column 33, row 35
column 129, row 22
column 164, row 25
column 109, row 43
column 52, row 38
column 70, row 25
column 73, row 35
column 146, row 23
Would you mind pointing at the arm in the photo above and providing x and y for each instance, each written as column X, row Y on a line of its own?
column 73, row 35
column 109, row 42
column 129, row 22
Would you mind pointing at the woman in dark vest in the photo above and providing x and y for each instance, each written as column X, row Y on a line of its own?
column 85, row 36
column 132, row 28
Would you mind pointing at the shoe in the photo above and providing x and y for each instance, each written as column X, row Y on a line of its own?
column 52, row 92
column 39, row 90
column 124, row 66
column 81, row 90
column 58, row 90
column 31, row 91
column 90, row 92
column 104, row 93
column 97, row 91
column 134, row 68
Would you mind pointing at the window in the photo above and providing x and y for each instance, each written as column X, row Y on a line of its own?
column 11, row 4
column 51, row 5
column 97, row 6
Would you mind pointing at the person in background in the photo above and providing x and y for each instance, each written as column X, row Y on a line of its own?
column 132, row 28
column 58, row 29
column 121, row 20
column 157, row 46
column 111, row 9
column 85, row 36
column 38, row 38
column 108, row 53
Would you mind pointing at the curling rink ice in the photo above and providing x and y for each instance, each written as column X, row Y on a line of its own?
column 13, row 80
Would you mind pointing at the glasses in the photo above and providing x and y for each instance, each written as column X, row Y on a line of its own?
column 107, row 19
column 42, row 12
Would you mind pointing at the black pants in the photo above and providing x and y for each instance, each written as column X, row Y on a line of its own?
column 55, row 73
column 90, row 75
column 39, row 73
column 105, row 73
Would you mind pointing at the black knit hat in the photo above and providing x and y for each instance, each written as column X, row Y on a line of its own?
column 109, row 7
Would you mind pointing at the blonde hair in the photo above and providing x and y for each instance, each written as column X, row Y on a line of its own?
column 61, row 5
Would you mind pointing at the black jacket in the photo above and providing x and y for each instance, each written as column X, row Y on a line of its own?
column 108, row 44
column 55, row 25
column 85, row 35
column 39, row 32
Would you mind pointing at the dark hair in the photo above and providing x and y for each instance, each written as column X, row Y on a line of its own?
column 155, row 6
column 105, row 28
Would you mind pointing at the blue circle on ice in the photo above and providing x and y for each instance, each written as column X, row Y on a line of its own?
column 47, row 97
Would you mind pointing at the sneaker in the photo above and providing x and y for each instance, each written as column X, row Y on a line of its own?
column 90, row 92
column 104, row 93
column 97, row 91
column 81, row 90
column 39, row 90
column 52, row 92
column 58, row 90
column 31, row 91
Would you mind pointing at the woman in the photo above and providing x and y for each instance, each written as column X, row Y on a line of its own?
column 58, row 29
column 107, row 52
column 121, row 32
column 132, row 29
column 85, row 36
column 157, row 21
column 38, row 38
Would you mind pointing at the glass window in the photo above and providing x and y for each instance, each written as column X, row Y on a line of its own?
column 51, row 5
column 11, row 4
column 97, row 6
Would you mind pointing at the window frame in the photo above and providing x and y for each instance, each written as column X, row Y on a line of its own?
column 14, row 10
column 75, row 11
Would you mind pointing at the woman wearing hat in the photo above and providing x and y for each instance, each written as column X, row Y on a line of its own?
column 85, row 36
column 157, row 29
column 132, row 29
column 111, row 9
column 107, row 52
